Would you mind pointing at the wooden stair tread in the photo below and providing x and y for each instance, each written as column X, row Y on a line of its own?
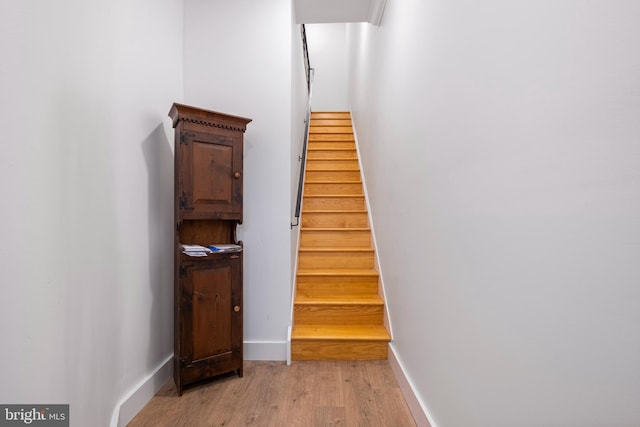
column 338, row 272
column 332, row 137
column 339, row 300
column 336, row 249
column 335, row 229
column 340, row 332
column 343, row 130
column 325, row 181
column 334, row 195
column 331, row 148
column 336, row 211
column 335, row 170
column 343, row 162
column 335, row 175
column 332, row 159
column 321, row 113
column 330, row 122
column 330, row 113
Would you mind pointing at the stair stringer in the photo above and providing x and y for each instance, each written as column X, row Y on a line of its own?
column 294, row 279
column 377, row 266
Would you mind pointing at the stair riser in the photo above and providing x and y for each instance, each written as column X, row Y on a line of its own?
column 335, row 219
column 333, row 203
column 338, row 350
column 344, row 164
column 331, row 115
column 336, row 259
column 333, row 175
column 331, row 145
column 319, row 289
column 335, row 239
column 330, row 122
column 307, row 314
column 331, row 137
column 330, row 129
column 331, row 154
column 350, row 188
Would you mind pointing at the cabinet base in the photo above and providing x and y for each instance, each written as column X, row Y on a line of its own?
column 185, row 377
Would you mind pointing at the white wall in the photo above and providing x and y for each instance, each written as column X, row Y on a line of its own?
column 237, row 59
column 328, row 57
column 86, row 184
column 501, row 145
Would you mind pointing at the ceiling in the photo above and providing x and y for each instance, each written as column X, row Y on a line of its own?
column 327, row 11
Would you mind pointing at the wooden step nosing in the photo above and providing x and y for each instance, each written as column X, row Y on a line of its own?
column 350, row 271
column 325, row 182
column 340, row 338
column 332, row 159
column 327, row 275
column 337, row 181
column 334, row 195
column 335, row 170
column 328, row 332
column 332, row 273
column 312, row 146
column 336, row 229
column 338, row 303
column 317, row 132
column 330, row 125
column 331, row 148
column 336, row 211
column 337, row 249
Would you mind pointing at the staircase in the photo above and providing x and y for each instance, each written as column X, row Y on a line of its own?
column 338, row 311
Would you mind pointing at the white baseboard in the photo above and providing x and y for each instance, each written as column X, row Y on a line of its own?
column 139, row 395
column 265, row 350
column 420, row 414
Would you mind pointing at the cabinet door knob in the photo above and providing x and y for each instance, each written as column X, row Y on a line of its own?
column 236, row 175
column 236, row 308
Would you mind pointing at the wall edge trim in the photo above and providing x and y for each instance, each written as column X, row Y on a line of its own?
column 138, row 396
column 418, row 409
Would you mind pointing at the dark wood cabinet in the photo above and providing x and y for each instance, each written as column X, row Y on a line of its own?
column 208, row 307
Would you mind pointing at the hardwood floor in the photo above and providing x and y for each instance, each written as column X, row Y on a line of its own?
column 324, row 393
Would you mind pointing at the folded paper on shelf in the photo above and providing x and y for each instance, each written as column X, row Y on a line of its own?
column 195, row 250
column 225, row 247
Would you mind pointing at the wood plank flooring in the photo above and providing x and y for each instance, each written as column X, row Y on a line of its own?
column 319, row 394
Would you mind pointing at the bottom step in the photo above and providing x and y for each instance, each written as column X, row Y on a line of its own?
column 339, row 342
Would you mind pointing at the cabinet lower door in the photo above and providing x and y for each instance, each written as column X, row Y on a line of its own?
column 210, row 319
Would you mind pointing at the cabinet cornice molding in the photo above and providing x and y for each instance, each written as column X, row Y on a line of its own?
column 200, row 116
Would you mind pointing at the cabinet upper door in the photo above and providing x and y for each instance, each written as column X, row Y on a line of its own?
column 209, row 176
column 208, row 163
